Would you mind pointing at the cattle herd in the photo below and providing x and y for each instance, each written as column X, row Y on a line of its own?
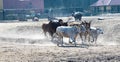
column 57, row 28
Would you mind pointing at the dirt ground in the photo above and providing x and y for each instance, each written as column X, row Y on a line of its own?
column 25, row 42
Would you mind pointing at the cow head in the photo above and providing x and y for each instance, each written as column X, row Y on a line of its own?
column 99, row 31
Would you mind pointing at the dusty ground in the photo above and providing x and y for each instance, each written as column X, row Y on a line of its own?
column 25, row 42
column 35, row 53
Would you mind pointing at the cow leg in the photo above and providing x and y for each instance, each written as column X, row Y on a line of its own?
column 85, row 37
column 75, row 19
column 54, row 37
column 92, row 38
column 59, row 41
column 75, row 42
column 79, row 19
column 70, row 41
column 89, row 38
column 62, row 42
column 74, row 39
column 81, row 38
column 44, row 33
column 95, row 40
column 51, row 34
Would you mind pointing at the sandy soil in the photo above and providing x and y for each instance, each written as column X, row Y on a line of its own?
column 35, row 53
column 25, row 42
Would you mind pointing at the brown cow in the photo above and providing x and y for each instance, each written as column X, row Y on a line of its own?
column 51, row 27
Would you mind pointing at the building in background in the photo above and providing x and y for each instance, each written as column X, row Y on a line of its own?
column 13, row 9
column 1, row 4
column 1, row 7
column 106, row 6
column 66, row 7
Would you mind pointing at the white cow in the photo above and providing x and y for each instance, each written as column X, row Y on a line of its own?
column 77, row 16
column 94, row 33
column 69, row 31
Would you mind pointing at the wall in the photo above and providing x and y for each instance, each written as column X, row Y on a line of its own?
column 14, row 9
column 1, row 4
column 67, row 6
column 23, row 4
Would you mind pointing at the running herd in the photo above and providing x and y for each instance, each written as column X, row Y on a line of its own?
column 71, row 30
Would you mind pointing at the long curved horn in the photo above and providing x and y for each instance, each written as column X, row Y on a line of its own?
column 90, row 21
